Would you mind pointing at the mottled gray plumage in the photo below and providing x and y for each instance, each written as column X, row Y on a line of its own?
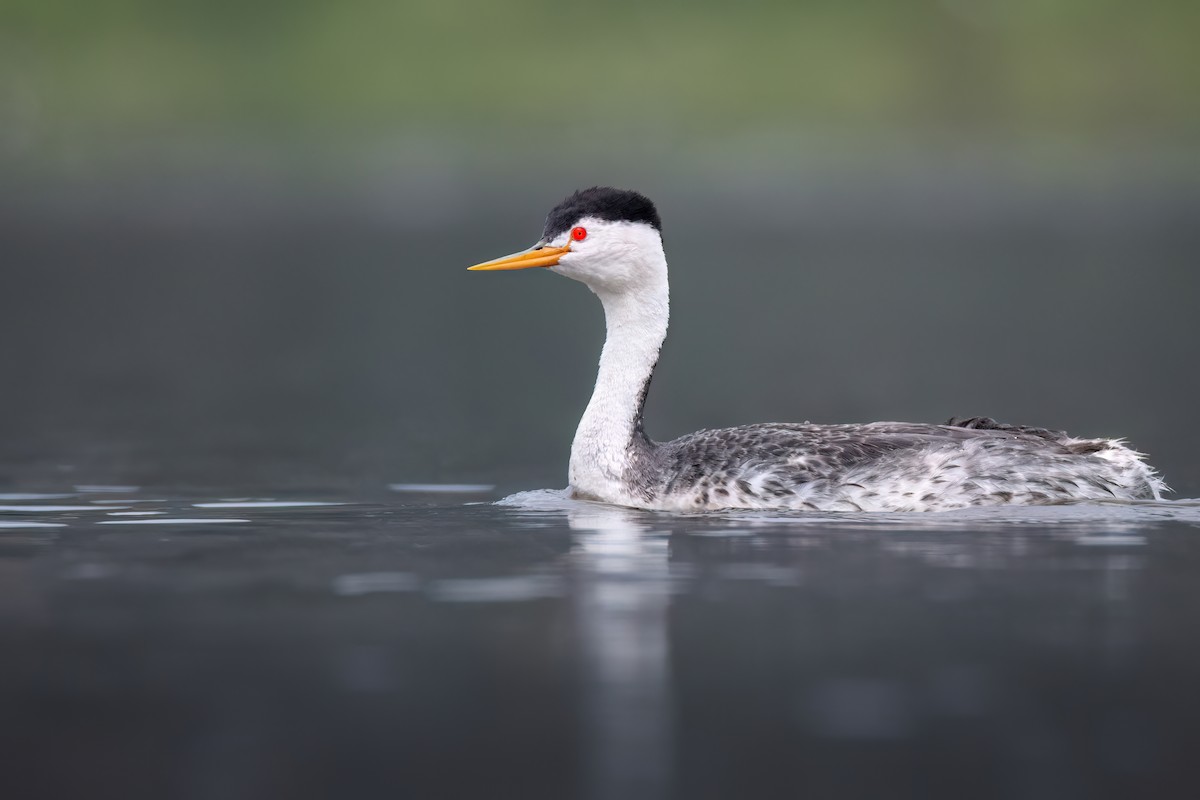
column 892, row 466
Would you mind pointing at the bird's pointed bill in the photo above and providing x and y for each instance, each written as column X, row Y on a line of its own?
column 537, row 256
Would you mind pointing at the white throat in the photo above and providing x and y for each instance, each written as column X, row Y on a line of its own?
column 604, row 446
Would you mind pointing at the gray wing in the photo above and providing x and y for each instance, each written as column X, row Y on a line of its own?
column 799, row 453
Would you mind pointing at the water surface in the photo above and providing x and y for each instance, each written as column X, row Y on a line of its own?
column 428, row 641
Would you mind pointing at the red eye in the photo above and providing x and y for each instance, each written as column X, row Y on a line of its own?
column 579, row 234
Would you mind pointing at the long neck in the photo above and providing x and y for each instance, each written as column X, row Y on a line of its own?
column 610, row 434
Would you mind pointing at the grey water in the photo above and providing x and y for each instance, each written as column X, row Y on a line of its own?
column 443, row 641
column 274, row 516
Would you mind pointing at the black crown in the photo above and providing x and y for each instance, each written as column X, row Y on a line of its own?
column 601, row 202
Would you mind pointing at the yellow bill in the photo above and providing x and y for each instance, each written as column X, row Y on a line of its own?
column 536, row 256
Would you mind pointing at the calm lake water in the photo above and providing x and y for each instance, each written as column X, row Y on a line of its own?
column 429, row 641
column 238, row 558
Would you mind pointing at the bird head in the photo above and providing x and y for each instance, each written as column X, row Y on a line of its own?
column 609, row 239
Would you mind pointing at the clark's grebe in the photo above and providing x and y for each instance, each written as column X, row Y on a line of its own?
column 610, row 240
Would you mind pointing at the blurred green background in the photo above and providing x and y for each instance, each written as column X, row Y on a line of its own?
column 232, row 234
column 91, row 79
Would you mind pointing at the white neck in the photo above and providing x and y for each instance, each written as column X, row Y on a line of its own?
column 604, row 442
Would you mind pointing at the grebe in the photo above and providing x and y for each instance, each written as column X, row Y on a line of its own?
column 610, row 240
